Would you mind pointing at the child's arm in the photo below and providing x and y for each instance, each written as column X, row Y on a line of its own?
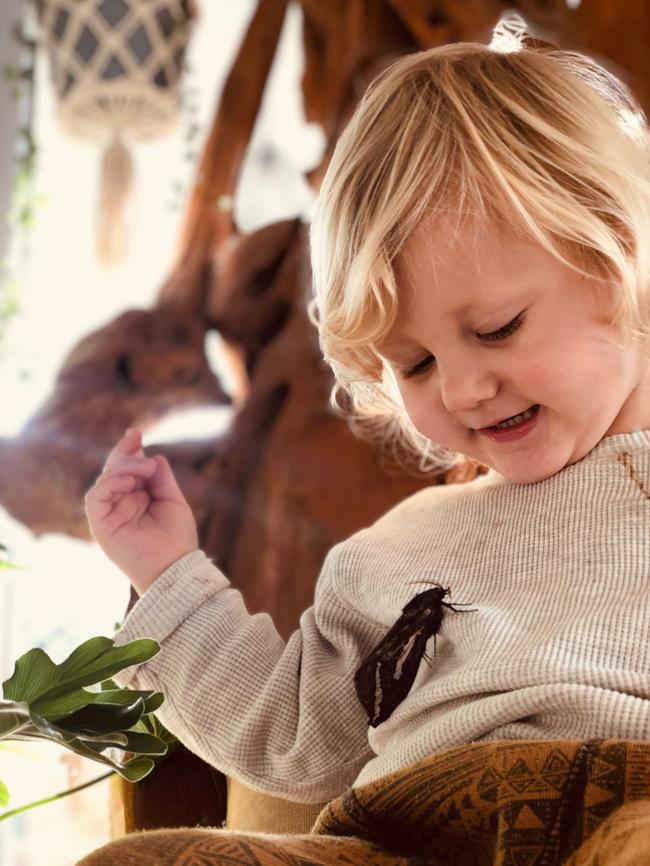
column 137, row 513
column 282, row 717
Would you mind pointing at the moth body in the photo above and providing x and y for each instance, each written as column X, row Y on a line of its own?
column 386, row 676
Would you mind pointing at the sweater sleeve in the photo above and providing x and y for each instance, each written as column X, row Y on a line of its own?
column 282, row 718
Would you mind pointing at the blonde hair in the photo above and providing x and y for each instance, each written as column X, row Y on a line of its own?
column 543, row 140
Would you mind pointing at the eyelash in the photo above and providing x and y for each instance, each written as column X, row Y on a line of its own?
column 501, row 334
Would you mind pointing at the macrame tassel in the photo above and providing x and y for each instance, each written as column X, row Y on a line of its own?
column 116, row 184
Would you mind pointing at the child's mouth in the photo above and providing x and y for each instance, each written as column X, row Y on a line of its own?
column 513, row 428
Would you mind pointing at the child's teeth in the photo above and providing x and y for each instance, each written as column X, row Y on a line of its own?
column 517, row 419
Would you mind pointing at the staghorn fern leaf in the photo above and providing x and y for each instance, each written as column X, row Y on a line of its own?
column 47, row 701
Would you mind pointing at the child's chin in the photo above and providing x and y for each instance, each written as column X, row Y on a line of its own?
column 528, row 474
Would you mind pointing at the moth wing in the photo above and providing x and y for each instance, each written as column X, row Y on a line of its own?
column 385, row 678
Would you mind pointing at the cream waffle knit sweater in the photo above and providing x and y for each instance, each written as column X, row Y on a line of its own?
column 559, row 645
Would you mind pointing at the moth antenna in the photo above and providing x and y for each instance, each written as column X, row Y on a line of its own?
column 455, row 607
column 430, row 583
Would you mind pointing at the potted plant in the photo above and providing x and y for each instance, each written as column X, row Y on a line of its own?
column 111, row 725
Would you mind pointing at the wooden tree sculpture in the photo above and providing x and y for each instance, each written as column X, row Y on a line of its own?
column 287, row 479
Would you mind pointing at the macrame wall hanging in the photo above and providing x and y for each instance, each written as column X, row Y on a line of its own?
column 116, row 68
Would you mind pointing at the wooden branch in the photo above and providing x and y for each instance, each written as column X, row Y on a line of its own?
column 434, row 23
column 343, row 41
column 209, row 217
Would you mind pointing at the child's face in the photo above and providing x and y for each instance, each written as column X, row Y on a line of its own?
column 510, row 328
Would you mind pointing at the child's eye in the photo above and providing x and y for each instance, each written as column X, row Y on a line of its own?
column 505, row 331
column 421, row 367
column 427, row 362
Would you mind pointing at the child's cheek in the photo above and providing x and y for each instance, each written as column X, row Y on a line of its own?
column 430, row 417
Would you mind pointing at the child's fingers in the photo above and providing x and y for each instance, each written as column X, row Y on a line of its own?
column 130, row 445
column 108, row 489
column 107, row 517
column 142, row 467
column 128, row 509
column 114, row 484
column 163, row 484
column 111, row 485
column 101, row 499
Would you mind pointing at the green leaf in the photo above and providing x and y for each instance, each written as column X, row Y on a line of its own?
column 32, row 673
column 143, row 744
column 135, row 769
column 152, row 700
column 68, row 704
column 43, row 728
column 4, row 794
column 38, row 681
column 151, row 704
column 116, row 738
column 13, row 717
column 93, row 746
column 89, row 728
column 132, row 770
column 46, row 701
column 97, row 659
column 152, row 725
column 103, row 718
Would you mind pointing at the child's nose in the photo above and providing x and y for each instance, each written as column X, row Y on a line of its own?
column 464, row 387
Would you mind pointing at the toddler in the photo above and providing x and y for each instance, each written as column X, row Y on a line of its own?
column 481, row 270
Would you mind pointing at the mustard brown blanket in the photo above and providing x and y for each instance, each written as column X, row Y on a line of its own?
column 504, row 803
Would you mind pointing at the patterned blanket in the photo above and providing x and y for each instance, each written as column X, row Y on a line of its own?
column 502, row 803
column 505, row 802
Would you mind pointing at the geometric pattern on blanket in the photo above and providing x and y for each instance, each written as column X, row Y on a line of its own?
column 498, row 803
column 503, row 803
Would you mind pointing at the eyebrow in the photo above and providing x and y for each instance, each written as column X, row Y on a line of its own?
column 387, row 352
column 491, row 306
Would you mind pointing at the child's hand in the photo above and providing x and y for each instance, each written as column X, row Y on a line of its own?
column 137, row 513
